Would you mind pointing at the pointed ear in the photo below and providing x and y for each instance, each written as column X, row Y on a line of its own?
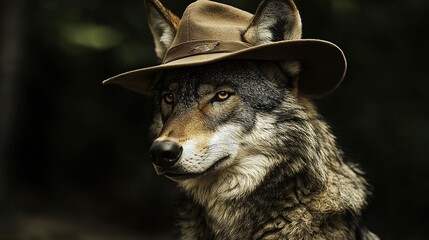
column 274, row 20
column 163, row 25
column 277, row 20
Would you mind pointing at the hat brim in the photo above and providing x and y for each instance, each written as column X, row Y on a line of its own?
column 323, row 65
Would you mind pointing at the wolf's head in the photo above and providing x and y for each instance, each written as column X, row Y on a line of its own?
column 204, row 115
column 233, row 117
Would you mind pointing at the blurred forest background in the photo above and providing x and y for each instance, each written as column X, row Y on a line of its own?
column 73, row 154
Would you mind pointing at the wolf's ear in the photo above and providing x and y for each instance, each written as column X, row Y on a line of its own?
column 274, row 20
column 163, row 25
column 277, row 20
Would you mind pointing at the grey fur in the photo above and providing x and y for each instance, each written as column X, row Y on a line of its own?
column 308, row 191
column 261, row 164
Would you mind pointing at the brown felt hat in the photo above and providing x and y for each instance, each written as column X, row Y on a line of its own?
column 210, row 32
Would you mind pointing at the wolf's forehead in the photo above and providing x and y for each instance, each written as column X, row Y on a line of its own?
column 221, row 73
column 194, row 79
column 199, row 89
column 189, row 88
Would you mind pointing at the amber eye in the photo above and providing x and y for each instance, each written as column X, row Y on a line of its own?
column 222, row 96
column 168, row 98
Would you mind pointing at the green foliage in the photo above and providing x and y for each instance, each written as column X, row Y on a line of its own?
column 90, row 35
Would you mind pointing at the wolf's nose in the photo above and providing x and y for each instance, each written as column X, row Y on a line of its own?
column 165, row 153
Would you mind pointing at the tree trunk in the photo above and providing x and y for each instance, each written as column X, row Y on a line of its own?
column 11, row 29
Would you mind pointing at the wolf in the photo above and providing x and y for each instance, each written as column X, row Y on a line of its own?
column 248, row 150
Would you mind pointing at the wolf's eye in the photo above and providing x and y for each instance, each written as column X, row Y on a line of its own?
column 168, row 98
column 222, row 96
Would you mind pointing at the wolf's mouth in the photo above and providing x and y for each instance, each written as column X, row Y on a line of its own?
column 184, row 176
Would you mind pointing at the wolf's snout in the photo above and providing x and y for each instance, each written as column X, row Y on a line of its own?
column 165, row 153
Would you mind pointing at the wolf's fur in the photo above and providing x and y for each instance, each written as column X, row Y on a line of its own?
column 262, row 163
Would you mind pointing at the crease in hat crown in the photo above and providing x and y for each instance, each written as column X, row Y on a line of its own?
column 206, row 22
column 210, row 32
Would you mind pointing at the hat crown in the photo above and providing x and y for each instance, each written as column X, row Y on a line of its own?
column 207, row 20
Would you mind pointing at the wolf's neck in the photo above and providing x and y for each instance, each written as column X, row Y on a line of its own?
column 333, row 185
column 299, row 175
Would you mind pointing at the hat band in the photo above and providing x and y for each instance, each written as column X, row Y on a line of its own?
column 192, row 48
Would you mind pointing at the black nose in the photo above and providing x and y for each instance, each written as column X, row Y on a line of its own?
column 165, row 153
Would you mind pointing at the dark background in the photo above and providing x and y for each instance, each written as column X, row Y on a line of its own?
column 73, row 154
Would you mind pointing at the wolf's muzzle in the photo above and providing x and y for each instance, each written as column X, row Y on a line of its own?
column 165, row 154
